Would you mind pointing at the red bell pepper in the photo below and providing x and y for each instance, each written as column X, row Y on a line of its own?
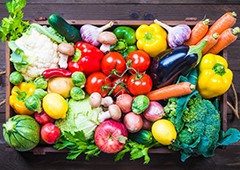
column 89, row 60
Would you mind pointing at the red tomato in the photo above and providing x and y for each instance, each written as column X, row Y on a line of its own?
column 140, row 60
column 139, row 84
column 98, row 82
column 121, row 87
column 113, row 63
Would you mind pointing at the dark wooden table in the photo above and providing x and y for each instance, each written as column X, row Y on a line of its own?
column 228, row 158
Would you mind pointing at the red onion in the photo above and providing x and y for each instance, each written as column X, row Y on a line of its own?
column 154, row 111
column 147, row 125
column 124, row 101
column 133, row 122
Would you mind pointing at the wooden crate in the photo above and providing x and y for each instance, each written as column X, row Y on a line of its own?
column 42, row 149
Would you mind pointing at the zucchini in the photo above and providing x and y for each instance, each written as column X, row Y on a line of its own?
column 143, row 137
column 71, row 33
column 21, row 132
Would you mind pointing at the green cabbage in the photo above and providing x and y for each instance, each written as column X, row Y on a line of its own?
column 80, row 116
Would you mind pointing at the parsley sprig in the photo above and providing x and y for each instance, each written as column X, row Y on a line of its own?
column 13, row 26
column 77, row 144
column 136, row 151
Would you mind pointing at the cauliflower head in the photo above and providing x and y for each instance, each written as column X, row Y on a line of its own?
column 40, row 53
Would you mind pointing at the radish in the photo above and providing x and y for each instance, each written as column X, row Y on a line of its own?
column 50, row 133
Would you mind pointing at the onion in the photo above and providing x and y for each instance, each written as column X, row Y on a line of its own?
column 147, row 125
column 124, row 101
column 133, row 122
column 154, row 111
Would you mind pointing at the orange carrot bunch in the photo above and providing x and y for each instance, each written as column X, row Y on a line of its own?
column 225, row 39
column 224, row 22
column 211, row 41
column 219, row 35
column 198, row 32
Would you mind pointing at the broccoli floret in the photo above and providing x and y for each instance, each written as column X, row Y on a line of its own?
column 170, row 108
column 194, row 111
column 196, row 128
column 186, row 136
column 200, row 126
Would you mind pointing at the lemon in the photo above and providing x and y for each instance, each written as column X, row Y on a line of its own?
column 55, row 105
column 164, row 131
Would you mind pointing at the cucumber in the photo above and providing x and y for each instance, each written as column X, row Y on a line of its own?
column 21, row 132
column 143, row 137
column 71, row 33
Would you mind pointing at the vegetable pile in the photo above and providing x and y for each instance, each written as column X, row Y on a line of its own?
column 116, row 89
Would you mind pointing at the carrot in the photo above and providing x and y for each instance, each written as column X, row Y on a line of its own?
column 174, row 90
column 225, row 39
column 224, row 22
column 198, row 32
column 211, row 41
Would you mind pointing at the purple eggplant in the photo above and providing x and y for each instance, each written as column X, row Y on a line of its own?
column 165, row 69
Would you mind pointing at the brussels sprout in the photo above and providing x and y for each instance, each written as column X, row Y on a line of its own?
column 140, row 104
column 77, row 93
column 16, row 78
column 40, row 82
column 40, row 93
column 78, row 79
column 33, row 103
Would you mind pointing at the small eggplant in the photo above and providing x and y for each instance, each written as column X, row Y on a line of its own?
column 165, row 69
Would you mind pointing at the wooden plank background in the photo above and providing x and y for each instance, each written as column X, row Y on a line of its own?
column 228, row 158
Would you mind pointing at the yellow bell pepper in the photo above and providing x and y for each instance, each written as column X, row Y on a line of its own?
column 214, row 76
column 18, row 94
column 152, row 39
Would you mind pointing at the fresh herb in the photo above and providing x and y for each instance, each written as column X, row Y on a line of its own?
column 13, row 26
column 136, row 151
column 77, row 144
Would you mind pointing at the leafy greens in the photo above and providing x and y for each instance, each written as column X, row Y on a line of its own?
column 13, row 26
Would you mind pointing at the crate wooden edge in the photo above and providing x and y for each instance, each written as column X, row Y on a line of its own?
column 123, row 22
column 41, row 150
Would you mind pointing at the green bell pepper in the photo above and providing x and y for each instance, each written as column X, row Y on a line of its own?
column 126, row 40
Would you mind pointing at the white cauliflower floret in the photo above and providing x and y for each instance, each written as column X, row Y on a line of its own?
column 41, row 54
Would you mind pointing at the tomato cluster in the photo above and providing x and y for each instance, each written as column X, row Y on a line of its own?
column 120, row 75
